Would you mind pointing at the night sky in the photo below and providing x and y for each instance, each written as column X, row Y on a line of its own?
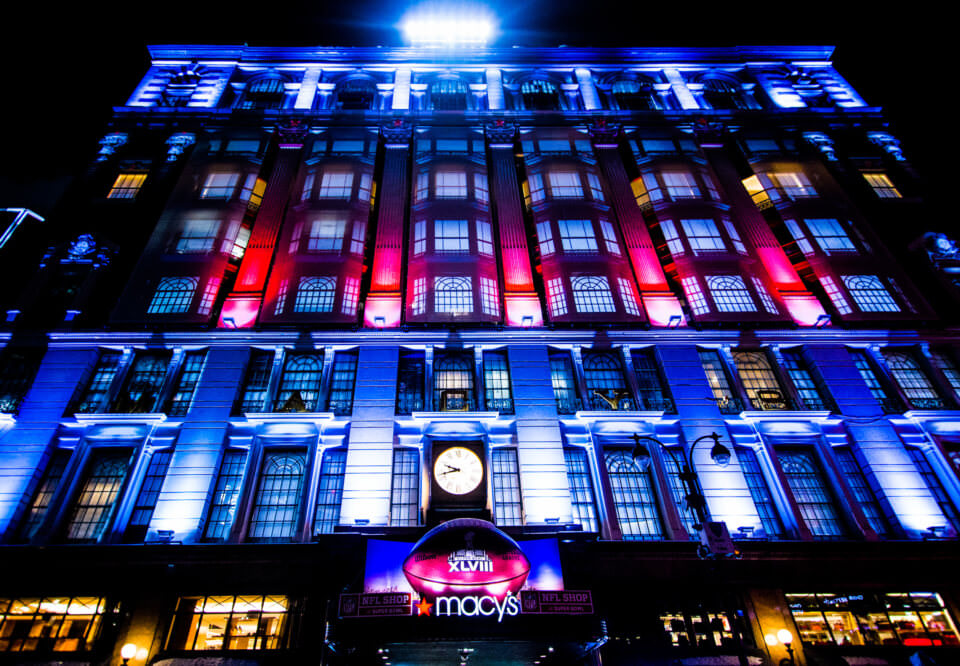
column 65, row 68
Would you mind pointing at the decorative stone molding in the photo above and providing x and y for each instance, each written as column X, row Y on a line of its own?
column 109, row 145
column 178, row 143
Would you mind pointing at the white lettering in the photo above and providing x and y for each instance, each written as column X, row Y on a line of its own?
column 471, row 606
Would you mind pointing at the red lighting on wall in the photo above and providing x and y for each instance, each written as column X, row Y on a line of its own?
column 239, row 312
column 523, row 310
column 664, row 310
column 804, row 308
column 382, row 310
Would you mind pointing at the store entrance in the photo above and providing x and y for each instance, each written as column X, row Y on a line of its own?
column 485, row 653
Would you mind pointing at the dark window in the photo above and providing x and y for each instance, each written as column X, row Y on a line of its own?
column 724, row 95
column 933, row 482
column 45, row 493
column 223, row 506
column 582, row 498
column 276, row 507
column 95, row 393
column 299, row 389
column 356, row 95
column 262, row 94
column 148, row 495
column 341, row 383
column 96, row 500
column 453, row 384
column 17, row 370
column 861, row 489
column 636, row 95
column 410, row 382
column 405, row 489
column 187, row 383
column 448, row 94
column 330, row 491
column 653, row 394
column 673, row 462
column 890, row 404
column 256, row 383
column 606, row 387
column 540, row 95
column 564, row 383
column 913, row 381
column 496, row 382
column 143, row 383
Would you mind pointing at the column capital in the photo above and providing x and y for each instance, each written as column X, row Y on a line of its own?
column 178, row 143
column 823, row 142
column 500, row 132
column 603, row 132
column 889, row 143
column 109, row 145
column 292, row 132
column 397, row 132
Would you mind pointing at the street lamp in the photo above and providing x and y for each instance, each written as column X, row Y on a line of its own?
column 128, row 652
column 691, row 483
column 782, row 636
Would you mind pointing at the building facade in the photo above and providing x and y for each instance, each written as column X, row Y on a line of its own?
column 296, row 283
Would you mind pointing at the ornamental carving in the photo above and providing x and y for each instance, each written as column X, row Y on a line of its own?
column 397, row 132
column 500, row 132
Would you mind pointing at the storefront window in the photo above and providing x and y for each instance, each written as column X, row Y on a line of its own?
column 704, row 628
column 229, row 623
column 896, row 618
column 50, row 624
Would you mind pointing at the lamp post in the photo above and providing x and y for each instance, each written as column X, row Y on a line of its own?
column 128, row 652
column 691, row 482
column 782, row 636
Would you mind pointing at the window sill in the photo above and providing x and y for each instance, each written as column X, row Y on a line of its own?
column 120, row 418
column 618, row 415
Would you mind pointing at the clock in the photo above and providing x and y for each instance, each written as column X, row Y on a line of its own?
column 458, row 470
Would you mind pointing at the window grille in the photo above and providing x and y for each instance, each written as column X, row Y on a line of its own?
column 43, row 497
column 50, row 624
column 760, row 492
column 540, row 95
column 939, row 492
column 143, row 384
column 342, row 382
column 629, row 297
column 419, row 305
column 813, row 394
column 223, row 505
column 861, row 489
column 882, row 186
column 695, row 298
column 719, row 382
column 489, row 299
column 251, row 622
column 97, row 390
column 451, row 236
column 813, row 497
column 577, row 235
column 730, row 293
column 672, row 467
column 127, row 185
column 582, row 499
column 633, row 498
column 761, row 384
column 410, row 382
column 603, row 377
column 330, row 491
column 276, row 505
column 93, row 507
column 496, row 382
column 564, row 383
column 945, row 363
column 869, row 293
column 351, row 296
column 453, row 384
column 256, row 382
column 724, row 95
column 556, row 297
column 299, row 389
column 835, row 295
column 591, row 293
column 453, row 295
column 146, row 500
column 405, row 488
column 914, row 383
column 635, row 95
column 873, row 381
column 507, row 504
column 315, row 294
column 653, row 394
column 173, row 295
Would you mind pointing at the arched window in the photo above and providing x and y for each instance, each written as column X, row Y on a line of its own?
column 453, row 384
column 591, row 293
column 356, row 94
column 869, row 293
column 266, row 92
column 276, row 507
column 540, row 95
column 811, row 493
column 173, row 295
column 912, row 380
column 93, row 506
column 759, row 381
column 633, row 498
column 315, row 294
column 448, row 94
column 606, row 387
column 299, row 389
column 636, row 95
column 453, row 295
column 730, row 293
column 724, row 94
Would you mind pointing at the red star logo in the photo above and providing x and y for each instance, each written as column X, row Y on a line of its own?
column 423, row 608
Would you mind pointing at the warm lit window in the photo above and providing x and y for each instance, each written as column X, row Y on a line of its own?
column 252, row 622
column 173, row 295
column 453, row 384
column 451, row 236
column 882, row 185
column 577, row 235
column 719, row 381
column 869, row 293
column 315, row 294
column 405, row 488
column 453, row 295
column 591, row 293
column 45, row 493
column 126, row 186
column 759, row 381
column 730, row 293
column 505, row 473
column 705, row 629
column 50, row 624
column 703, row 236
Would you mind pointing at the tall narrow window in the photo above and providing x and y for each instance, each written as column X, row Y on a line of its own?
column 17, row 370
column 556, row 297
column 96, row 392
column 256, row 382
column 629, row 297
column 591, row 293
column 351, row 296
column 730, row 293
column 914, row 383
column 545, row 239
column 410, row 381
column 812, row 392
column 147, row 497
column 507, row 506
column 341, row 383
column 45, row 492
column 299, row 389
column 582, row 499
column 489, row 297
column 761, row 384
column 633, row 498
column 760, row 492
column 947, row 507
column 330, row 491
column 719, row 381
column 276, row 506
column 653, row 394
column 453, row 384
column 405, row 488
column 496, row 382
column 812, row 494
column 223, row 505
column 94, row 505
column 835, row 295
column 610, row 238
column 695, row 298
column 564, row 383
column 878, row 389
column 671, row 462
column 606, row 388
column 869, row 293
column 862, row 492
column 943, row 361
column 173, row 295
column 143, row 384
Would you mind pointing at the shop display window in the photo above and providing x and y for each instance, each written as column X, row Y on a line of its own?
column 251, row 622
column 50, row 624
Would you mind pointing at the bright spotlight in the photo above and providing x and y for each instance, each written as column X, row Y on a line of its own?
column 450, row 28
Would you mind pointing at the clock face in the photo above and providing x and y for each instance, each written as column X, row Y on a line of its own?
column 458, row 470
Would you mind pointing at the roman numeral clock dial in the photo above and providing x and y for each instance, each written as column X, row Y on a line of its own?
column 458, row 470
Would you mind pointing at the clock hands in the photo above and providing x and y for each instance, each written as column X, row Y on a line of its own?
column 450, row 469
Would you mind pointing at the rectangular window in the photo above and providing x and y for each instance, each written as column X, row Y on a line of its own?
column 308, row 183
column 565, row 185
column 811, row 493
column 680, row 185
column 451, row 236
column 405, row 488
column 489, row 299
column 50, row 624
column 366, row 189
column 596, row 191
column 947, row 507
column 864, row 619
column 735, row 237
column 484, row 238
column 882, row 186
column 94, row 396
column 143, row 384
column 209, row 296
column 759, row 381
column 556, row 297
column 610, row 238
column 564, row 383
column 760, row 492
column 629, row 297
column 94, row 504
column 545, row 239
column 276, row 505
column 591, row 293
column 730, row 294
column 326, row 233
column 943, row 361
column 410, row 382
column 480, row 191
column 252, row 622
column 419, row 237
column 577, row 235
column 835, row 295
column 604, row 381
column 351, row 296
column 256, row 382
column 582, row 499
column 342, row 382
column 336, row 185
column 705, row 629
column 811, row 391
column 890, row 404
column 219, row 185
column 358, row 237
column 127, row 185
column 862, row 492
column 695, row 298
column 507, row 506
column 299, row 388
column 223, row 505
column 912, row 380
column 793, row 184
column 17, row 371
column 423, row 186
column 653, row 395
column 535, row 185
column 703, row 236
column 187, row 383
column 496, row 382
column 719, row 382
column 149, row 493
column 453, row 389
column 450, row 185
column 802, row 243
column 830, row 235
column 45, row 493
column 198, row 236
column 419, row 305
column 765, row 298
column 330, row 491
column 672, row 468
